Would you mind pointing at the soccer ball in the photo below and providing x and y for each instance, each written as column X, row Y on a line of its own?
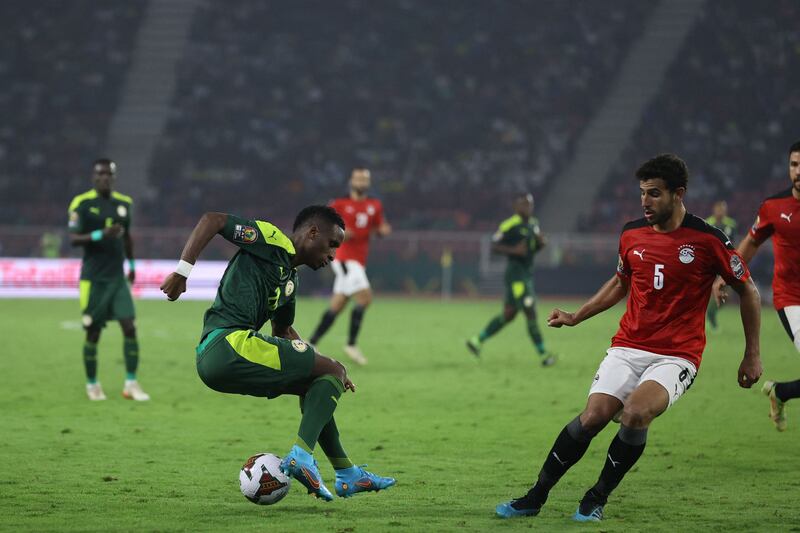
column 262, row 481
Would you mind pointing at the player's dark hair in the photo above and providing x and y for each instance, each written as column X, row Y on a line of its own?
column 794, row 148
column 102, row 161
column 669, row 167
column 318, row 212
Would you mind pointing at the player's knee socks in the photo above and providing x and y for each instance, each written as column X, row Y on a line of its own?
column 494, row 325
column 535, row 334
column 624, row 451
column 787, row 391
column 569, row 447
column 324, row 325
column 130, row 349
column 318, row 406
column 332, row 446
column 356, row 317
column 90, row 361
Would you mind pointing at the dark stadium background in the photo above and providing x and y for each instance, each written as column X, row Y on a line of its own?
column 261, row 107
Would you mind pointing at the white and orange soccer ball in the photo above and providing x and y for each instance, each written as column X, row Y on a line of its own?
column 262, row 481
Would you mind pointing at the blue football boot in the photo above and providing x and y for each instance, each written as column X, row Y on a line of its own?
column 302, row 466
column 523, row 506
column 590, row 508
column 350, row 481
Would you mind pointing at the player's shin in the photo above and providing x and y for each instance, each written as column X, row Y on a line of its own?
column 535, row 334
column 356, row 317
column 494, row 325
column 330, row 443
column 90, row 361
column 130, row 351
column 318, row 407
column 788, row 390
column 324, row 325
column 626, row 448
column 569, row 447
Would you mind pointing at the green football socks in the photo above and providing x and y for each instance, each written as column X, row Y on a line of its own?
column 318, row 407
column 90, row 361
column 495, row 325
column 130, row 349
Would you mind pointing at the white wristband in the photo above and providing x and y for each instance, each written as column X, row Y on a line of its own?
column 184, row 268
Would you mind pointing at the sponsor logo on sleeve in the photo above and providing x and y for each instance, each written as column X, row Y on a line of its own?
column 620, row 265
column 686, row 254
column 756, row 224
column 244, row 234
column 737, row 266
column 73, row 219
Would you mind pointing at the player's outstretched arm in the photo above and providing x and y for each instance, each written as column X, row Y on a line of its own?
column 747, row 249
column 209, row 225
column 750, row 308
column 609, row 294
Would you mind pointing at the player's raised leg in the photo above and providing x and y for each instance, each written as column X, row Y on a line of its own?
column 568, row 448
column 475, row 343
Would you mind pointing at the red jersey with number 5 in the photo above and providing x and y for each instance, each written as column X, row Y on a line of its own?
column 670, row 276
column 361, row 218
column 778, row 218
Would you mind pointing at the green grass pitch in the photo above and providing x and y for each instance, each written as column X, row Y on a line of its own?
column 459, row 434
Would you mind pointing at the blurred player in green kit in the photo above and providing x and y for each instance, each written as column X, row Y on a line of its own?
column 99, row 221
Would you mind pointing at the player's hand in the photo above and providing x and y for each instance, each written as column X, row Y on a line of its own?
column 749, row 371
column 719, row 290
column 558, row 318
column 131, row 276
column 349, row 384
column 113, row 231
column 174, row 286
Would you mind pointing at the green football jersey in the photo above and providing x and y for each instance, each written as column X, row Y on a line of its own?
column 511, row 232
column 259, row 283
column 103, row 259
column 727, row 225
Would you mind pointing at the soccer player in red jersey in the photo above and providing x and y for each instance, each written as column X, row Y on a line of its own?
column 778, row 218
column 668, row 260
column 363, row 216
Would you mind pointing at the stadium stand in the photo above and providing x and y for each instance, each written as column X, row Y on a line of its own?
column 276, row 102
column 728, row 108
column 62, row 64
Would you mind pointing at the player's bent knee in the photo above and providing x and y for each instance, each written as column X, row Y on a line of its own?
column 594, row 420
column 637, row 416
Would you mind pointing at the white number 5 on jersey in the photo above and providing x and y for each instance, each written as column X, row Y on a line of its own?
column 658, row 277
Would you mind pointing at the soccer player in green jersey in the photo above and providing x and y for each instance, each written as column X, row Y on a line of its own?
column 719, row 218
column 100, row 221
column 518, row 238
column 260, row 284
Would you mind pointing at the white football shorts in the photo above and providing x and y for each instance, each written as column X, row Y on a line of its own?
column 790, row 316
column 350, row 277
column 624, row 369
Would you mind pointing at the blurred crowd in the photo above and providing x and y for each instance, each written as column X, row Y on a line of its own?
column 62, row 66
column 453, row 105
column 728, row 106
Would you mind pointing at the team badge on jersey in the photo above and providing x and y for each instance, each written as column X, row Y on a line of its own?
column 245, row 234
column 122, row 211
column 299, row 345
column 686, row 254
column 74, row 218
column 737, row 267
column 370, row 210
column 289, row 289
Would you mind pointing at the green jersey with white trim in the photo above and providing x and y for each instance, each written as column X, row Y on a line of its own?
column 512, row 231
column 259, row 283
column 90, row 211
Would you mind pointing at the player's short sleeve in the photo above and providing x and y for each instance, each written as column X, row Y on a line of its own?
column 727, row 262
column 762, row 228
column 75, row 220
column 257, row 237
column 284, row 315
column 623, row 267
